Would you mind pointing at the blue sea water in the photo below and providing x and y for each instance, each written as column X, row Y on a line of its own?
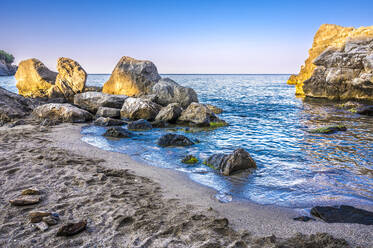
column 295, row 168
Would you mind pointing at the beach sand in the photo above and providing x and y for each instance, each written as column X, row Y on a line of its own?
column 130, row 204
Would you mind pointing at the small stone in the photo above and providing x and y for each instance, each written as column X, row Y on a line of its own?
column 32, row 191
column 71, row 229
column 51, row 220
column 42, row 226
column 171, row 139
column 24, row 200
column 117, row 132
column 36, row 217
column 303, row 218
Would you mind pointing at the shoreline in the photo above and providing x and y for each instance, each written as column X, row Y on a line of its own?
column 260, row 220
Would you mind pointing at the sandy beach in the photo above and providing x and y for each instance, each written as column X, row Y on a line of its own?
column 130, row 204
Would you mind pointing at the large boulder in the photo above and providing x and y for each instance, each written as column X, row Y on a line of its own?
column 13, row 106
column 131, row 77
column 226, row 164
column 71, row 77
column 139, row 125
column 91, row 101
column 168, row 91
column 61, row 112
column 170, row 113
column 108, row 112
column 343, row 214
column 198, row 114
column 137, row 108
column 171, row 139
column 345, row 73
column 34, row 79
column 107, row 121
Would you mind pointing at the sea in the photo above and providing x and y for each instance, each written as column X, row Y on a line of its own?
column 296, row 169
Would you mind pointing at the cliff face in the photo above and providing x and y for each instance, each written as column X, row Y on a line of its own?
column 328, row 35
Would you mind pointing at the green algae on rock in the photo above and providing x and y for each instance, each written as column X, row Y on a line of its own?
column 328, row 130
column 190, row 159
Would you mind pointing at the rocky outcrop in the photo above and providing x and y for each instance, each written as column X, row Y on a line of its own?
column 328, row 35
column 132, row 77
column 137, row 108
column 7, row 69
column 61, row 113
column 170, row 113
column 91, row 101
column 198, row 114
column 345, row 73
column 171, row 139
column 34, row 79
column 71, row 77
column 168, row 91
column 13, row 106
column 226, row 164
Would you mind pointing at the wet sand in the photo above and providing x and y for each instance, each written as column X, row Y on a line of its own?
column 130, row 204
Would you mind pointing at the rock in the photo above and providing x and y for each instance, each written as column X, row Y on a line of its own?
column 341, row 74
column 168, row 91
column 159, row 124
column 190, row 159
column 343, row 214
column 117, row 132
column 328, row 130
column 108, row 112
column 171, row 139
column 42, row 226
column 198, row 114
column 91, row 101
column 24, row 200
column 214, row 109
column 139, row 125
column 328, row 35
column 34, row 79
column 31, row 191
column 105, row 122
column 170, row 113
column 137, row 108
column 131, row 77
column 92, row 88
column 36, row 217
column 71, row 229
column 7, row 69
column 51, row 220
column 227, row 164
column 61, row 112
column 366, row 110
column 13, row 106
column 71, row 77
column 303, row 218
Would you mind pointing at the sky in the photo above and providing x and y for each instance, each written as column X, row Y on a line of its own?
column 178, row 36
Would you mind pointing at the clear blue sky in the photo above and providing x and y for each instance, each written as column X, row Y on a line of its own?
column 178, row 36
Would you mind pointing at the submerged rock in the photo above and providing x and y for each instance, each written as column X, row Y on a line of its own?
column 198, row 114
column 328, row 130
column 190, row 159
column 92, row 101
column 139, row 125
column 366, row 110
column 137, row 108
column 34, row 79
column 61, row 112
column 71, row 77
column 107, row 121
column 117, row 132
column 168, row 91
column 132, row 77
column 71, row 229
column 343, row 214
column 170, row 113
column 171, row 139
column 108, row 112
column 227, row 164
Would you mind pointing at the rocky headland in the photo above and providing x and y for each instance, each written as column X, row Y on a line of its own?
column 339, row 64
column 6, row 66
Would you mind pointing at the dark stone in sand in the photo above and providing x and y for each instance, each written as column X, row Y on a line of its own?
column 303, row 218
column 36, row 217
column 140, row 125
column 171, row 139
column 367, row 110
column 25, row 200
column 343, row 214
column 102, row 121
column 71, row 229
column 117, row 132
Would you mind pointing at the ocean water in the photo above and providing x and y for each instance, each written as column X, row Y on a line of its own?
column 295, row 168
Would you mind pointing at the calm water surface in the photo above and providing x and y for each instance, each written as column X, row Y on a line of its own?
column 295, row 168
